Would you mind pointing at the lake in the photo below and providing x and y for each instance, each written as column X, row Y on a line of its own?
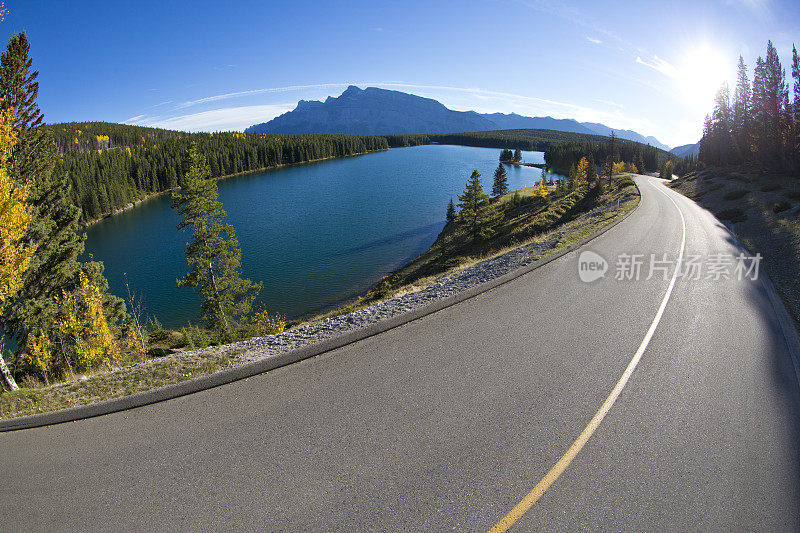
column 315, row 234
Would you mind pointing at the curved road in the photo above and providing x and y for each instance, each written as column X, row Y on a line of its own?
column 447, row 422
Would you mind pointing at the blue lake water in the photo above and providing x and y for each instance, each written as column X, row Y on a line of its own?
column 315, row 234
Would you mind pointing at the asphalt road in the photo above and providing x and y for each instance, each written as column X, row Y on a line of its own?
column 447, row 422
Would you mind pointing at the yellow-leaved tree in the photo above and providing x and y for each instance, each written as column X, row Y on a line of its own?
column 15, row 255
column 84, row 338
column 98, row 345
column 618, row 168
column 541, row 189
column 582, row 171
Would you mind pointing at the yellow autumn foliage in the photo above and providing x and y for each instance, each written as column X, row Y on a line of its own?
column 14, row 217
column 265, row 324
column 38, row 355
column 541, row 189
column 618, row 168
column 583, row 171
column 83, row 336
column 96, row 346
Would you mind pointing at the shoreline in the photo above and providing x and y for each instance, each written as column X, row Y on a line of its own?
column 521, row 164
column 152, row 195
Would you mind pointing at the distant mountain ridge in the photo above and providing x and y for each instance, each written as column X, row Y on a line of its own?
column 374, row 111
column 686, row 150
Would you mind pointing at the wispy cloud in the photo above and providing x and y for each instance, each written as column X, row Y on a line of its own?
column 610, row 103
column 224, row 119
column 593, row 40
column 760, row 8
column 271, row 90
column 574, row 16
column 660, row 65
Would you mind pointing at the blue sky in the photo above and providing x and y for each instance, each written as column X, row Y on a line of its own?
column 207, row 66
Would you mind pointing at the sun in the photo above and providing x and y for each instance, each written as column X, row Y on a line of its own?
column 701, row 73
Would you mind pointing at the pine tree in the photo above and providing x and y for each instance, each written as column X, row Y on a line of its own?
column 517, row 155
column 638, row 161
column 796, row 78
column 775, row 99
column 741, row 113
column 667, row 170
column 213, row 253
column 613, row 148
column 572, row 177
column 500, row 185
column 795, row 127
column 721, row 120
column 591, row 169
column 54, row 226
column 451, row 211
column 474, row 204
column 757, row 95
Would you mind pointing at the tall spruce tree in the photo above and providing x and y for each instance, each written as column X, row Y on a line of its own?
column 721, row 119
column 796, row 78
column 500, row 185
column 213, row 253
column 741, row 113
column 475, row 210
column 774, row 103
column 53, row 229
column 450, row 215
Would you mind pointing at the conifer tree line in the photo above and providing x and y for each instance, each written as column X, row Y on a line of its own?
column 760, row 123
column 562, row 156
column 113, row 165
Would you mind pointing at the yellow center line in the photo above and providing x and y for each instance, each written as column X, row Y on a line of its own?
column 533, row 496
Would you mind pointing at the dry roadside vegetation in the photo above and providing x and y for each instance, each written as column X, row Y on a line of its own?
column 763, row 211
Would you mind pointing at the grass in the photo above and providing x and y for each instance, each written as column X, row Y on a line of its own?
column 564, row 218
column 765, row 217
column 115, row 384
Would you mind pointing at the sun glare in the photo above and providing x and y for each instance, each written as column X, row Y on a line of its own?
column 701, row 74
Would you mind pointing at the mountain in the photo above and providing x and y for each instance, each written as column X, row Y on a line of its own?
column 374, row 111
column 518, row 122
column 687, row 150
column 602, row 129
